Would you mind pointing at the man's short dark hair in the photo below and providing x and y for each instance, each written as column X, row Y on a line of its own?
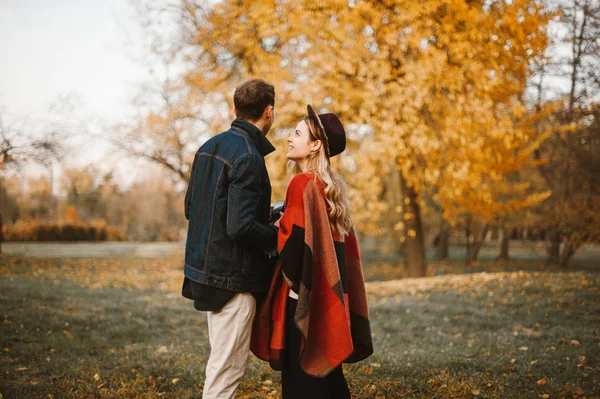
column 252, row 97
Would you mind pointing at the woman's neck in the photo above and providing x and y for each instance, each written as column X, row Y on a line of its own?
column 303, row 165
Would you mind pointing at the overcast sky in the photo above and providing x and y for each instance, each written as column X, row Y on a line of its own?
column 84, row 49
column 51, row 48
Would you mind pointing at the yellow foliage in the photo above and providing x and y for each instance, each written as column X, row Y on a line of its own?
column 436, row 83
column 71, row 215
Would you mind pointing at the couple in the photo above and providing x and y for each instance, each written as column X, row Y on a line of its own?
column 293, row 291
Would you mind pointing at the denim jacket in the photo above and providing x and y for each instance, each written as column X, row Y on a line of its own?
column 227, row 204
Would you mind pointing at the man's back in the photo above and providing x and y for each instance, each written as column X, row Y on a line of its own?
column 228, row 195
column 229, row 235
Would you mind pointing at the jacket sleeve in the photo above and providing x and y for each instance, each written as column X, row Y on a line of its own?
column 188, row 194
column 242, row 202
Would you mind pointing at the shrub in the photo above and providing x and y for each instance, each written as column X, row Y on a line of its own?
column 27, row 230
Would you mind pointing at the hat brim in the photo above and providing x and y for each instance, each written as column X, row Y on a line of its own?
column 312, row 113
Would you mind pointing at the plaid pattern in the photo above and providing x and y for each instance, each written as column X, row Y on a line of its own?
column 332, row 313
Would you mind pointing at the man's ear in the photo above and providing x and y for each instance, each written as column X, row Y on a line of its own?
column 235, row 112
column 268, row 113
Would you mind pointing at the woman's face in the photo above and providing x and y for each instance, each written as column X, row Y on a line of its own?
column 299, row 143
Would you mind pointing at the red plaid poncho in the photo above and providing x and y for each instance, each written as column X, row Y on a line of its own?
column 326, row 272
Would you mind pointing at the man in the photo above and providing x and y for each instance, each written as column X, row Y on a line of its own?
column 229, row 238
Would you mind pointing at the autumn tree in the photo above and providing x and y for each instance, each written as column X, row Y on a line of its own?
column 172, row 121
column 438, row 84
column 568, row 157
column 19, row 147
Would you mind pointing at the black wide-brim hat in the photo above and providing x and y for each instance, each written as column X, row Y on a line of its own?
column 335, row 135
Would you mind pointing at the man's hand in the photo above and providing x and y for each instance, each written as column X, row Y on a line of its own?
column 276, row 224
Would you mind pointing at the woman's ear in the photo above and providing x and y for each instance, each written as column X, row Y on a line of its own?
column 316, row 146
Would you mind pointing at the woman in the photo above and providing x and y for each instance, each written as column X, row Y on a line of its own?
column 315, row 316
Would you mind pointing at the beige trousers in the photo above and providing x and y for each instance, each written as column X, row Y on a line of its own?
column 229, row 332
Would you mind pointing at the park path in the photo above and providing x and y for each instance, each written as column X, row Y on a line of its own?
column 521, row 251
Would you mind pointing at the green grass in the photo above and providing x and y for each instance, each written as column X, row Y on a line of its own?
column 508, row 334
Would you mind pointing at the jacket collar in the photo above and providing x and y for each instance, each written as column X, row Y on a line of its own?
column 263, row 145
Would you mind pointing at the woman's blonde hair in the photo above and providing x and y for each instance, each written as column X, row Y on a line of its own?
column 338, row 203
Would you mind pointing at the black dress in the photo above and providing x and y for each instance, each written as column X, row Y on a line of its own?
column 295, row 383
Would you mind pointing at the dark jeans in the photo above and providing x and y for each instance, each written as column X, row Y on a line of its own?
column 295, row 383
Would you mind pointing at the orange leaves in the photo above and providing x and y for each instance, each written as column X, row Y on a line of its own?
column 543, row 381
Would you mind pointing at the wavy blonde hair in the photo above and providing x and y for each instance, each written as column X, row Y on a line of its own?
column 338, row 203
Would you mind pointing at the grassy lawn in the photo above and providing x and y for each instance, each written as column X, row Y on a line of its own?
column 118, row 328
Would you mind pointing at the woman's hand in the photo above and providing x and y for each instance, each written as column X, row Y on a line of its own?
column 276, row 224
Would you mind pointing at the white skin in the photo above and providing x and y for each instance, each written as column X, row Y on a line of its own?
column 266, row 120
column 300, row 146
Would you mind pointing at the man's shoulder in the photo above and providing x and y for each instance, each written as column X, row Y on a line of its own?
column 229, row 145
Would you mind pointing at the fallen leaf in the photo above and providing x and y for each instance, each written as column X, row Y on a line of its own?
column 523, row 348
column 475, row 392
column 543, row 381
column 375, row 365
column 575, row 342
column 579, row 391
column 544, row 396
column 175, row 380
column 96, row 377
column 21, row 369
column 68, row 334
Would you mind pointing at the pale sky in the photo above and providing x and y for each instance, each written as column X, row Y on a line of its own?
column 50, row 48
column 84, row 49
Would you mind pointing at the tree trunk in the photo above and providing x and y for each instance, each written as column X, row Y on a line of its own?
column 468, row 255
column 571, row 246
column 554, row 249
column 504, row 243
column 1, row 233
column 413, row 228
column 444, row 237
column 478, row 244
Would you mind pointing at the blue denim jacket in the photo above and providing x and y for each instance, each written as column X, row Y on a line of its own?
column 227, row 204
